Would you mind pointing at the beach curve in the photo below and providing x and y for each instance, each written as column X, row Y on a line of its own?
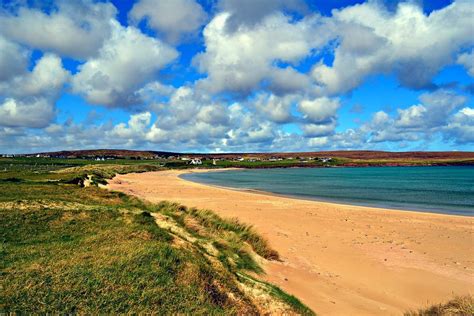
column 337, row 259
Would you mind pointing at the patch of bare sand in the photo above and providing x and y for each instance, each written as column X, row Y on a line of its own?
column 338, row 259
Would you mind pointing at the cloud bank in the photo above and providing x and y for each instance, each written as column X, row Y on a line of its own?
column 235, row 76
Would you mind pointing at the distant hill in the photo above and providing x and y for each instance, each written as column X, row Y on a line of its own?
column 351, row 154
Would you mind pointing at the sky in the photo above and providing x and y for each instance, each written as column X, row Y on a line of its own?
column 236, row 75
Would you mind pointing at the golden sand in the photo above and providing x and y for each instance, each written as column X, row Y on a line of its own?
column 338, row 259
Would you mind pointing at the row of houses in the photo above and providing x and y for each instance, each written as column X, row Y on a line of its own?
column 193, row 160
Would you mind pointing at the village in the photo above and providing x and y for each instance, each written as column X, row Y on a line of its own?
column 190, row 159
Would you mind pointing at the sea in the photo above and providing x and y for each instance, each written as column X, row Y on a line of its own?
column 440, row 189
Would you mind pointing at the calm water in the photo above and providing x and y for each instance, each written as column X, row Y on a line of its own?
column 447, row 190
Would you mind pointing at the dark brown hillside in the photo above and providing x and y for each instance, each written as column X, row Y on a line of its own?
column 351, row 154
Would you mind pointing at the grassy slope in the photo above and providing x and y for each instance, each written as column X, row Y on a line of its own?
column 68, row 249
column 461, row 305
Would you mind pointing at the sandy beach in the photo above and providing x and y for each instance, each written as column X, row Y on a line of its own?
column 338, row 259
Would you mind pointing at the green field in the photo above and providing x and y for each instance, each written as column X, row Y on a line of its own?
column 73, row 249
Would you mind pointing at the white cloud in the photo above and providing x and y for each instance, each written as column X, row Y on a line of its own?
column 318, row 142
column 37, row 112
column 274, row 108
column 174, row 19
column 189, row 118
column 460, row 127
column 407, row 42
column 29, row 99
column 288, row 80
column 13, row 59
column 467, row 60
column 251, row 12
column 419, row 121
column 238, row 61
column 126, row 62
column 134, row 130
column 414, row 116
column 75, row 28
column 46, row 79
column 319, row 110
column 318, row 130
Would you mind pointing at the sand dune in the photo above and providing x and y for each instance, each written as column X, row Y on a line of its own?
column 338, row 259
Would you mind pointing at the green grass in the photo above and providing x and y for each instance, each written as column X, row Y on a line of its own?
column 459, row 306
column 245, row 232
column 70, row 249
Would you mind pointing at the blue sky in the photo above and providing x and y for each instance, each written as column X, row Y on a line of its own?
column 236, row 75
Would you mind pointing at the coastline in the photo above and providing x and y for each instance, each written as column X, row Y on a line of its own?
column 380, row 206
column 337, row 258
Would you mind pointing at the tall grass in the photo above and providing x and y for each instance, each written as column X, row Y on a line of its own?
column 70, row 249
column 458, row 306
column 246, row 232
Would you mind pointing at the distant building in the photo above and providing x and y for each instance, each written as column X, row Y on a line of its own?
column 195, row 161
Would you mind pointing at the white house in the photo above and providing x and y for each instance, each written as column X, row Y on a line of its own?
column 195, row 161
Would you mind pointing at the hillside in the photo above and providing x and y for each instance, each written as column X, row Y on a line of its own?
column 71, row 247
column 350, row 154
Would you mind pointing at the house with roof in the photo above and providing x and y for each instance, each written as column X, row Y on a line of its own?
column 195, row 161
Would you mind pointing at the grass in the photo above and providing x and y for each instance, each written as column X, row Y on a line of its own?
column 72, row 249
column 245, row 232
column 459, row 306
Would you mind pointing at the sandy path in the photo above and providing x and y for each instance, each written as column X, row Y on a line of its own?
column 339, row 259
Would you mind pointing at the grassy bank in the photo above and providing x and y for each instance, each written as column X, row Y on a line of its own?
column 460, row 305
column 73, row 249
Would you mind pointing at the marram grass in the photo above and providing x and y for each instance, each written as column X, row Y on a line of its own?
column 70, row 249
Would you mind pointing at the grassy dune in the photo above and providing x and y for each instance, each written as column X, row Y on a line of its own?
column 72, row 249
column 460, row 305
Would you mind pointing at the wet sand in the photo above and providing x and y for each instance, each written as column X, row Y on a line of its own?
column 338, row 259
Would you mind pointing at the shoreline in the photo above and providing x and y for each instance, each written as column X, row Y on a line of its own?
column 336, row 258
column 317, row 200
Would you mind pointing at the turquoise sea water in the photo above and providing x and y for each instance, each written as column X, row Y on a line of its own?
column 448, row 190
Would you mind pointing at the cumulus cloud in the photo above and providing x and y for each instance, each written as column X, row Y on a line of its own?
column 467, row 60
column 240, row 60
column 13, row 59
column 460, row 127
column 174, row 19
column 318, row 130
column 250, row 12
column 268, row 82
column 274, row 108
column 435, row 112
column 127, row 61
column 135, row 130
column 29, row 99
column 407, row 42
column 189, row 117
column 46, row 79
column 319, row 110
column 73, row 28
column 36, row 112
